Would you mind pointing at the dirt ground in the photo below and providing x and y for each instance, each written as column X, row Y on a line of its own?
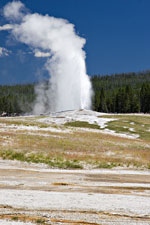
column 34, row 194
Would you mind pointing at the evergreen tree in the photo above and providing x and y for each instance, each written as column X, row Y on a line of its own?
column 145, row 98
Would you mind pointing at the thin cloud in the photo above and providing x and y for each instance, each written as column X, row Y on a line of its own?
column 41, row 54
column 4, row 52
column 6, row 27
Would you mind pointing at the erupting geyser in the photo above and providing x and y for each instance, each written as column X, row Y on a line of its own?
column 69, row 86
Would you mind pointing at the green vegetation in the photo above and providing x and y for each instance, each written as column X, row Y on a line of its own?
column 16, row 99
column 82, row 124
column 15, row 218
column 122, row 93
column 130, row 124
column 108, row 165
column 78, row 149
column 40, row 158
column 40, row 221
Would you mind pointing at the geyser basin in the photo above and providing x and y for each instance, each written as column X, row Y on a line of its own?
column 69, row 86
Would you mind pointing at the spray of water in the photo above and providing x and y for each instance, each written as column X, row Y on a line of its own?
column 69, row 86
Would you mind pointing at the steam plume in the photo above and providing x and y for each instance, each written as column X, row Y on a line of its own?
column 69, row 86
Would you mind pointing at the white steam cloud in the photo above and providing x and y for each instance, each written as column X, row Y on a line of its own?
column 13, row 10
column 69, row 86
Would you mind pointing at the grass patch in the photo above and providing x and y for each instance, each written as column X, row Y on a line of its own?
column 24, row 123
column 148, row 167
column 40, row 221
column 15, row 218
column 130, row 124
column 40, row 158
column 108, row 165
column 24, row 218
column 82, row 124
column 77, row 148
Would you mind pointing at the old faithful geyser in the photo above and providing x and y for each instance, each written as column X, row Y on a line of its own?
column 69, row 86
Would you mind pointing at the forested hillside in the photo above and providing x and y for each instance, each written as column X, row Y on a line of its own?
column 122, row 93
column 17, row 99
column 118, row 93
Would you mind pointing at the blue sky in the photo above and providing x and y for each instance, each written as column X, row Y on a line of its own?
column 117, row 34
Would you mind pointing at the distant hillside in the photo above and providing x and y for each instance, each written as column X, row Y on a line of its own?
column 16, row 99
column 119, row 80
column 122, row 93
column 117, row 93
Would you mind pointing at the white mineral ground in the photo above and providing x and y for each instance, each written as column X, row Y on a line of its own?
column 61, row 118
column 97, row 196
column 6, row 222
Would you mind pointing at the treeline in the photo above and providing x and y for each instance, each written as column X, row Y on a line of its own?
column 117, row 93
column 122, row 93
column 17, row 99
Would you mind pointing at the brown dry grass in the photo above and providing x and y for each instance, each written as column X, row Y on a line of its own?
column 90, row 147
column 42, row 220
